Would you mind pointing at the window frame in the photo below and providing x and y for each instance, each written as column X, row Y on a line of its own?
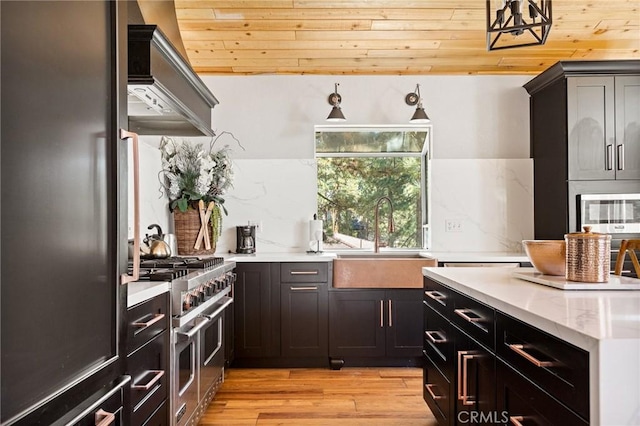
column 425, row 171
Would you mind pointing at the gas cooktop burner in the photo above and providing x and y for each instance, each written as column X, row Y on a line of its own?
column 182, row 262
column 161, row 274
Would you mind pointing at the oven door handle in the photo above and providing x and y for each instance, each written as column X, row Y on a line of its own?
column 227, row 302
column 189, row 334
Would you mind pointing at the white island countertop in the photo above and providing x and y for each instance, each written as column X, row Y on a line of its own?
column 604, row 323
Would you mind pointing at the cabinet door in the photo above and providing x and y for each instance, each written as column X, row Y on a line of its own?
column 436, row 391
column 474, row 381
column 590, row 127
column 519, row 400
column 257, row 309
column 304, row 315
column 356, row 323
column 404, row 323
column 627, row 127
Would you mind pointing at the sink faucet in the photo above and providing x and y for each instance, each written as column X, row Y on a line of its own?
column 376, row 241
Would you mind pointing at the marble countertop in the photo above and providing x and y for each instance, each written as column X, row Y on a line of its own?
column 582, row 317
column 141, row 291
column 327, row 256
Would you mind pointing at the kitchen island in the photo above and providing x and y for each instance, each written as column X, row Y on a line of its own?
column 602, row 325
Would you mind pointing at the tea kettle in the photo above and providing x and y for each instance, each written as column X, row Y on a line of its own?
column 158, row 248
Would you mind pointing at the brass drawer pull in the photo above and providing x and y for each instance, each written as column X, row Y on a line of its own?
column 516, row 420
column 304, row 272
column 156, row 377
column 433, row 395
column 439, row 339
column 463, row 314
column 519, row 349
column 435, row 295
column 142, row 325
column 104, row 418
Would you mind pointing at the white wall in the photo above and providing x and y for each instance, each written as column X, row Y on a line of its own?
column 474, row 118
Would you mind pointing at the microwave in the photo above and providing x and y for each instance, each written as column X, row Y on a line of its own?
column 610, row 213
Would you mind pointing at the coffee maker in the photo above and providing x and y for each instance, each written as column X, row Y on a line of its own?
column 246, row 239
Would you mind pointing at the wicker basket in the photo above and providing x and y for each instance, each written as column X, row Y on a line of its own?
column 187, row 226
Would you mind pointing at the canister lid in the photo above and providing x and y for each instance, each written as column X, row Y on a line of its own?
column 588, row 234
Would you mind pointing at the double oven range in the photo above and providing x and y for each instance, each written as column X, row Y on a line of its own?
column 201, row 292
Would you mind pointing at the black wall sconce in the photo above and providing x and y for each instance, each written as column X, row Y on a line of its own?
column 335, row 99
column 529, row 29
column 420, row 116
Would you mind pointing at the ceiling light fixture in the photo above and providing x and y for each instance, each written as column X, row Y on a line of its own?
column 526, row 30
column 335, row 99
column 420, row 116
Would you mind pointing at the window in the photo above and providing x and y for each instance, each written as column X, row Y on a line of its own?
column 359, row 165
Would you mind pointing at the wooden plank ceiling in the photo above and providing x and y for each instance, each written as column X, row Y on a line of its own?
column 392, row 36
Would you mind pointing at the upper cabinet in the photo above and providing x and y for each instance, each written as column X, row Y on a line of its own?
column 585, row 120
column 603, row 124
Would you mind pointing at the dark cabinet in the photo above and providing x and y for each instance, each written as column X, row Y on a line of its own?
column 584, row 119
column 304, row 307
column 257, row 310
column 375, row 324
column 602, row 122
column 487, row 365
column 148, row 359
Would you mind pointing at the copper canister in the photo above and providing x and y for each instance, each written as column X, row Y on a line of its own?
column 588, row 256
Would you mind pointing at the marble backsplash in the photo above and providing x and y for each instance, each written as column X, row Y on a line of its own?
column 490, row 199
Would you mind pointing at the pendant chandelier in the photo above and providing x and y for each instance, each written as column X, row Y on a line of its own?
column 517, row 23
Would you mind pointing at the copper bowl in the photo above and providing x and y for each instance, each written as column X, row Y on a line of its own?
column 547, row 256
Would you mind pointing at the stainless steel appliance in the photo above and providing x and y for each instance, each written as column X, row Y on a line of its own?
column 201, row 291
column 246, row 239
column 610, row 213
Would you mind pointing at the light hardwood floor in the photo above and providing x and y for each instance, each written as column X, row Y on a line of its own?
column 351, row 396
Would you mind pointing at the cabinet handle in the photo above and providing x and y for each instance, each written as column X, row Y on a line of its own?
column 463, row 382
column 104, row 418
column 156, row 377
column 304, row 272
column 438, row 339
column 437, row 296
column 135, row 276
column 315, row 287
column 519, row 349
column 433, row 395
column 609, row 157
column 390, row 314
column 516, row 420
column 466, row 398
column 143, row 325
column 381, row 314
column 463, row 313
column 621, row 157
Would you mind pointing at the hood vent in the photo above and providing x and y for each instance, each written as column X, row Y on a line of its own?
column 166, row 97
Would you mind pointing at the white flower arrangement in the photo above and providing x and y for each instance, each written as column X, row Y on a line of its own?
column 191, row 174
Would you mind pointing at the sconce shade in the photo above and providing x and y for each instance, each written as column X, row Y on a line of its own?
column 517, row 23
column 420, row 116
column 334, row 100
column 336, row 114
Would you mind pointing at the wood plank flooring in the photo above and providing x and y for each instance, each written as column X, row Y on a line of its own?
column 351, row 396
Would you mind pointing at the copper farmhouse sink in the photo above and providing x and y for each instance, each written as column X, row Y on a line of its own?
column 379, row 270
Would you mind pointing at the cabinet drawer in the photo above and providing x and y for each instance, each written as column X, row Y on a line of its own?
column 160, row 417
column 436, row 391
column 437, row 296
column 475, row 318
column 146, row 320
column 520, row 400
column 304, row 272
column 150, row 377
column 438, row 340
column 558, row 367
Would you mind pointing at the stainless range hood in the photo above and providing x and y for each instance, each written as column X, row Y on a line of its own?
column 166, row 97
